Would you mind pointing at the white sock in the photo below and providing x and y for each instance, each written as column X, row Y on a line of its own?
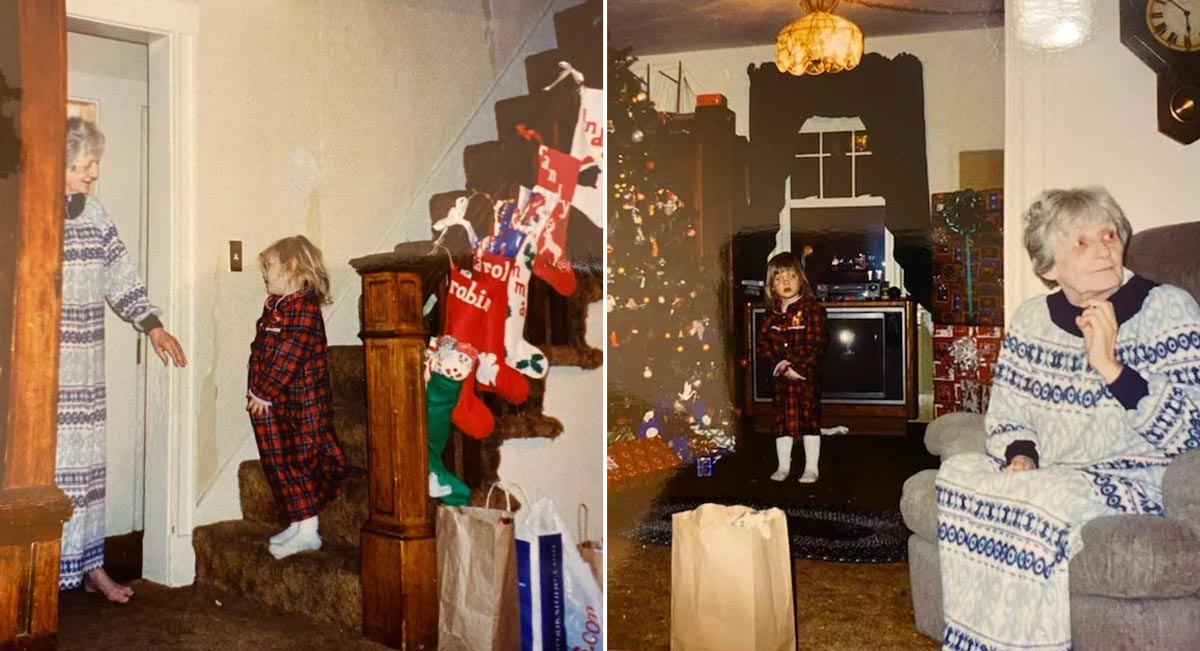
column 308, row 528
column 436, row 488
column 812, row 455
column 783, row 450
column 286, row 534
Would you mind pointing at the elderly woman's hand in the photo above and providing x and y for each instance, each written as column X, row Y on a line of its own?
column 1099, row 325
column 167, row 347
column 1019, row 463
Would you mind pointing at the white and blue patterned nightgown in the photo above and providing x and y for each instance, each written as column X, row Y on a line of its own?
column 1005, row 539
column 96, row 269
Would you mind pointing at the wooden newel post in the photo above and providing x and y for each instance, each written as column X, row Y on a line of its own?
column 32, row 507
column 399, row 549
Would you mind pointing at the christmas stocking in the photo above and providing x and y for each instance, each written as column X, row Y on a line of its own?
column 588, row 148
column 520, row 354
column 457, row 362
column 475, row 310
column 558, row 175
column 441, row 394
column 507, row 238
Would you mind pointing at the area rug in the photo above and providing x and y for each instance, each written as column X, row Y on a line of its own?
column 817, row 532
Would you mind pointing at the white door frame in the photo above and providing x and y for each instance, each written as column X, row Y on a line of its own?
column 169, row 29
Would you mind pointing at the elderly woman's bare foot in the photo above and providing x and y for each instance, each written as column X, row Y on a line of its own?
column 99, row 581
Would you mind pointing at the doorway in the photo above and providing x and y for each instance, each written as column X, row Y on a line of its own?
column 157, row 480
column 107, row 84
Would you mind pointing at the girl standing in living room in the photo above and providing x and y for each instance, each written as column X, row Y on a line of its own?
column 793, row 342
column 289, row 395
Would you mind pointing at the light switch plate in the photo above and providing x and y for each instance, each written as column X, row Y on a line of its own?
column 235, row 255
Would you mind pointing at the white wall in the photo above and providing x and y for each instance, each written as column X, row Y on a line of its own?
column 1087, row 117
column 113, row 74
column 339, row 120
column 570, row 469
column 964, row 88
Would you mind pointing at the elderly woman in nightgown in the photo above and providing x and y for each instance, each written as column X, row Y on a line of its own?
column 1097, row 389
column 96, row 269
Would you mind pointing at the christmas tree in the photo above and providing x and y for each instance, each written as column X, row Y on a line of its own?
column 665, row 365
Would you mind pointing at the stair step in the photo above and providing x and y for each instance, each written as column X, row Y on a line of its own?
column 347, row 373
column 480, row 212
column 323, row 585
column 350, row 425
column 542, row 69
column 551, row 113
column 341, row 521
column 579, row 33
column 500, row 167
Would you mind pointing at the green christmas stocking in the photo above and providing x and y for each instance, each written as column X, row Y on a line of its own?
column 441, row 394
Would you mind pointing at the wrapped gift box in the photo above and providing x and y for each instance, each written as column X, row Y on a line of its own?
column 952, row 303
column 633, row 460
column 964, row 360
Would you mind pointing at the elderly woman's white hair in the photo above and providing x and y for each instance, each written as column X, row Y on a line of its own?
column 83, row 138
column 1055, row 212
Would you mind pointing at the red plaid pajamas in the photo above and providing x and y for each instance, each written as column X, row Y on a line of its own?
column 300, row 453
column 797, row 335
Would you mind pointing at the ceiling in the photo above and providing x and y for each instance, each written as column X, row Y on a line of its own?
column 656, row 26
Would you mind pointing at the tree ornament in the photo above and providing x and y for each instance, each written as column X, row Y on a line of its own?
column 638, row 135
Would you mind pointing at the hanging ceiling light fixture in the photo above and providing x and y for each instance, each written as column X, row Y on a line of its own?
column 818, row 41
column 1054, row 24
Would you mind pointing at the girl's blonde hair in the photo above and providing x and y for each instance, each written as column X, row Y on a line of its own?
column 785, row 262
column 302, row 261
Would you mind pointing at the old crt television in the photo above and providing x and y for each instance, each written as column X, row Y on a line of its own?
column 869, row 367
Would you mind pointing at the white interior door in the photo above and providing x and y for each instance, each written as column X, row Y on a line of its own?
column 113, row 75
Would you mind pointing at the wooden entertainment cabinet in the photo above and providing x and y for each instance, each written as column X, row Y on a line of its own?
column 870, row 412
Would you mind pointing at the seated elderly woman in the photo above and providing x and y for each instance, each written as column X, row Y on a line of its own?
column 1097, row 388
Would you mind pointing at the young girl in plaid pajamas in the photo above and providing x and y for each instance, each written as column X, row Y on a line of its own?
column 289, row 397
column 793, row 342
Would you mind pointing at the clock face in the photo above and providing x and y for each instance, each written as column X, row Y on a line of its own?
column 1175, row 23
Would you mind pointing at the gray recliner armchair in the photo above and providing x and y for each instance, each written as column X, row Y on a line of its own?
column 1136, row 584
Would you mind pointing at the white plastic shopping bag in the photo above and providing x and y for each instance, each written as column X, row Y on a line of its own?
column 561, row 608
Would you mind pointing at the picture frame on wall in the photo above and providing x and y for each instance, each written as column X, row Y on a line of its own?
column 89, row 110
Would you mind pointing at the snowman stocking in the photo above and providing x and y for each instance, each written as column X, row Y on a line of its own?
column 475, row 310
column 588, row 148
column 457, row 362
column 442, row 392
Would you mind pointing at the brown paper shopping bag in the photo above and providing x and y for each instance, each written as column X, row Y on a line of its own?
column 731, row 580
column 477, row 579
column 592, row 551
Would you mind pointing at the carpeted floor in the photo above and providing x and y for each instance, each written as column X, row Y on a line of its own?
column 840, row 606
column 194, row 618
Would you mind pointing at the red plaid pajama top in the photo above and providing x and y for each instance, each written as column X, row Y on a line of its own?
column 797, row 335
column 300, row 453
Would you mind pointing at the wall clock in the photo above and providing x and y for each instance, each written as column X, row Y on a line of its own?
column 1165, row 35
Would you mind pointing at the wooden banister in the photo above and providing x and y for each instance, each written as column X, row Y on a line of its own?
column 399, row 549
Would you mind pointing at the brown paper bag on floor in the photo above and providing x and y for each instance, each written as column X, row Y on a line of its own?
column 592, row 551
column 731, row 580
column 477, row 579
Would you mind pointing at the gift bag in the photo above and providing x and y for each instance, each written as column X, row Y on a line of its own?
column 477, row 578
column 561, row 607
column 731, row 580
column 591, row 551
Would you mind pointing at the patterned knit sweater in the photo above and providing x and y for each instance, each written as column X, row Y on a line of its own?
column 1047, row 397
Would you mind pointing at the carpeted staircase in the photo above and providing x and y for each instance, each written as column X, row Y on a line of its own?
column 325, row 585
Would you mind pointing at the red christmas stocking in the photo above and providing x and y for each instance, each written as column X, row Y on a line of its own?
column 558, row 174
column 447, row 357
column 476, row 307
